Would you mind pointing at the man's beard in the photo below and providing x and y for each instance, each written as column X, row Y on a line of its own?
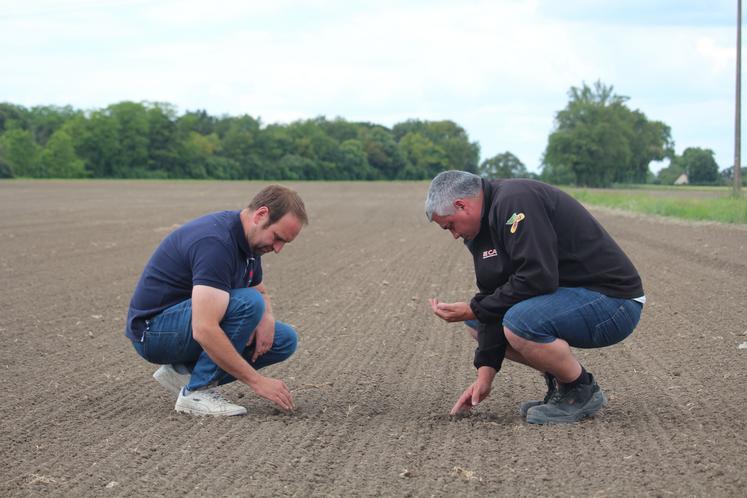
column 262, row 249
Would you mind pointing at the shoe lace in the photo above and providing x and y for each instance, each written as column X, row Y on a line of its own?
column 554, row 397
column 552, row 387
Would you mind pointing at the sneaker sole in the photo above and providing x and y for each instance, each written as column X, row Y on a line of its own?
column 192, row 411
column 526, row 405
column 595, row 404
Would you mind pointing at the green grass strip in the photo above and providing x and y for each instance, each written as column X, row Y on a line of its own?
column 723, row 209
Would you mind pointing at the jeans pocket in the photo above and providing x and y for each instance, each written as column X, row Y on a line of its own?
column 619, row 326
column 167, row 338
column 164, row 346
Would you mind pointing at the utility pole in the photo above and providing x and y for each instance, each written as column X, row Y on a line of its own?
column 737, row 171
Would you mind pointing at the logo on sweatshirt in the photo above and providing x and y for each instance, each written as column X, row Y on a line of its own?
column 489, row 254
column 514, row 221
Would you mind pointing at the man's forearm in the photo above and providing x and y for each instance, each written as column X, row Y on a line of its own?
column 266, row 296
column 216, row 344
column 486, row 374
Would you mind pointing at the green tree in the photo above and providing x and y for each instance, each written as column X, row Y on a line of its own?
column 43, row 121
column 294, row 167
column 424, row 158
column 382, row 152
column 699, row 164
column 11, row 113
column 164, row 145
column 241, row 144
column 650, row 141
column 198, row 159
column 5, row 169
column 97, row 143
column 505, row 165
column 131, row 122
column 58, row 158
column 198, row 121
column 339, row 129
column 451, row 138
column 727, row 174
column 668, row 175
column 20, row 153
column 353, row 162
column 599, row 140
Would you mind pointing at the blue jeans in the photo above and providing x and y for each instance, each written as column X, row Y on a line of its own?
column 581, row 317
column 168, row 338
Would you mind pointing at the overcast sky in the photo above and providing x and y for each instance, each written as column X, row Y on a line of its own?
column 501, row 68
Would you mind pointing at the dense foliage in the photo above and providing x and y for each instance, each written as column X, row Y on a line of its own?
column 598, row 140
column 149, row 140
column 505, row 165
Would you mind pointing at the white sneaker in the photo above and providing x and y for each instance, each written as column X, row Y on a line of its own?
column 172, row 380
column 206, row 402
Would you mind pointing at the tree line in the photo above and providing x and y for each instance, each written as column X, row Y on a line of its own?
column 149, row 140
column 597, row 141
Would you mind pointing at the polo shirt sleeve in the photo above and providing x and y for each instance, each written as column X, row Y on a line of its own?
column 211, row 263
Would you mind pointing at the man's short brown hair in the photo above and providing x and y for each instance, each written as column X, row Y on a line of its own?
column 280, row 201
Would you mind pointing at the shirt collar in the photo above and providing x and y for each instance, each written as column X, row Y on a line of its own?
column 238, row 232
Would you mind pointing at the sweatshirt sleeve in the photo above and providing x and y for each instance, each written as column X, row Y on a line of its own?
column 491, row 345
column 525, row 229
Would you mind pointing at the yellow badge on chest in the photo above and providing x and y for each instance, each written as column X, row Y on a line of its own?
column 514, row 221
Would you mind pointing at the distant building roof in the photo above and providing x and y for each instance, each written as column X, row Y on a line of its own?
column 682, row 179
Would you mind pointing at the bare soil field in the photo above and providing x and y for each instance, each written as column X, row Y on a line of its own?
column 375, row 373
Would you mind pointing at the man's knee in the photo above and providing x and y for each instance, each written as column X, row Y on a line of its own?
column 245, row 303
column 515, row 341
column 519, row 343
column 286, row 339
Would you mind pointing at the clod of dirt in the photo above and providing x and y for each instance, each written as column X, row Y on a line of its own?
column 467, row 475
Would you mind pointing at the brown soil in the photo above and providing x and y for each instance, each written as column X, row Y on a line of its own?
column 375, row 374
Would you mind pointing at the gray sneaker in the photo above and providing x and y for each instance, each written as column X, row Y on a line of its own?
column 206, row 402
column 172, row 380
column 551, row 388
column 568, row 406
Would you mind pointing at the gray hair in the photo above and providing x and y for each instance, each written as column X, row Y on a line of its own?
column 447, row 187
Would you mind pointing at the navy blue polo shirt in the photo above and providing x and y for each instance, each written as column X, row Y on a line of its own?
column 211, row 250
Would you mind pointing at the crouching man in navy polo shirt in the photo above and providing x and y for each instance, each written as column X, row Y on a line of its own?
column 200, row 308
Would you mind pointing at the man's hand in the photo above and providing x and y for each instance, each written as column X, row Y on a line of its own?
column 263, row 336
column 478, row 391
column 451, row 312
column 274, row 390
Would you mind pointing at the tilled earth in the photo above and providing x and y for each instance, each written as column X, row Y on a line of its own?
column 376, row 372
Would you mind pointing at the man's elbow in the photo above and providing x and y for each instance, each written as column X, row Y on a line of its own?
column 543, row 284
column 547, row 285
column 200, row 333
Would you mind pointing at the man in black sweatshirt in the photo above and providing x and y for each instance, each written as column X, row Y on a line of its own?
column 549, row 277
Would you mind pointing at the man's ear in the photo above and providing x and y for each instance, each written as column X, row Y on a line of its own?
column 260, row 215
column 459, row 204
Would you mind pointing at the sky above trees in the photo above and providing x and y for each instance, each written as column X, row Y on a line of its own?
column 501, row 69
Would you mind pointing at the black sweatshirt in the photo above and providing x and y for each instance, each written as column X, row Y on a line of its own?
column 533, row 239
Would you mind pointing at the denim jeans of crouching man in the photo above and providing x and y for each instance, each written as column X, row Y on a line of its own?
column 168, row 338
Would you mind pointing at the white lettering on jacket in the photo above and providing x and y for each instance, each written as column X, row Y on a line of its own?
column 489, row 254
